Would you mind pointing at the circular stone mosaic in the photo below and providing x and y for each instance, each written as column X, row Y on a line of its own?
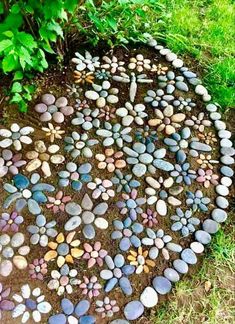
column 111, row 189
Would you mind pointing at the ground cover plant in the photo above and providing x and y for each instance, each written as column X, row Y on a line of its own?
column 131, row 112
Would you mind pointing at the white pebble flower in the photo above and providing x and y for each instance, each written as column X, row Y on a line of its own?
column 113, row 64
column 139, row 63
column 101, row 188
column 31, row 303
column 131, row 113
column 16, row 136
column 86, row 62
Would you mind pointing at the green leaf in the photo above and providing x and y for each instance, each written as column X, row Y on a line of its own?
column 10, row 63
column 15, row 9
column 43, row 61
column 112, row 23
column 18, row 75
column 8, row 33
column 16, row 98
column 26, row 40
column 16, row 87
column 4, row 44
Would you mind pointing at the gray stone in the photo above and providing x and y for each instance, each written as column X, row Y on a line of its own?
column 202, row 237
column 133, row 310
column 171, row 275
column 222, row 202
column 222, row 190
column 200, row 146
column 227, row 171
column 210, row 226
column 162, row 285
column 180, row 266
column 189, row 256
column 219, row 215
column 224, row 134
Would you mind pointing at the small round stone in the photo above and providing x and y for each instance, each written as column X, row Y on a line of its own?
column 162, row 285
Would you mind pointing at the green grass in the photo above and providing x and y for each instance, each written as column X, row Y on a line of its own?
column 191, row 303
column 200, row 29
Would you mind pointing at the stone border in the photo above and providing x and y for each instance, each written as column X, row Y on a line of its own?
column 163, row 284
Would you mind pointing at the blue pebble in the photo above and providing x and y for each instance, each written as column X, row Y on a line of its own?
column 110, row 284
column 133, row 310
column 88, row 319
column 135, row 241
column 125, row 285
column 227, row 171
column 128, row 269
column 84, row 168
column 76, row 185
column 82, row 307
column 119, row 260
column 39, row 197
column 180, row 156
column 43, row 187
column 57, row 319
column 20, row 181
column 67, row 306
column 124, row 244
column 137, row 228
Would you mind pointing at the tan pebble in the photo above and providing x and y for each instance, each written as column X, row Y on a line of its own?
column 20, row 262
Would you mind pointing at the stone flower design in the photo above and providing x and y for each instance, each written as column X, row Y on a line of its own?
column 171, row 82
column 38, row 269
column 117, row 274
column 64, row 249
column 111, row 160
column 42, row 156
column 73, row 314
column 206, row 162
column 27, row 192
column 16, row 136
column 79, row 144
column 131, row 205
column 132, row 113
column 140, row 260
column 10, row 163
column 209, row 138
column 139, row 63
column 42, row 231
column 12, row 252
column 87, row 119
column 82, row 77
column 146, row 135
column 107, row 307
column 197, row 201
column 75, row 175
column 127, row 234
column 166, row 120
column 58, row 203
column 124, row 182
column 159, row 69
column 207, row 177
column 107, row 113
column 178, row 143
column 162, row 192
column 112, row 64
column 103, row 94
column 183, row 173
column 31, row 303
column 81, row 104
column 94, row 254
column 158, row 98
column 101, row 188
column 198, row 122
column 90, row 286
column 102, row 74
column 114, row 134
column 53, row 132
column 184, row 104
column 159, row 242
column 184, row 222
column 5, row 303
column 63, row 280
column 10, row 222
column 54, row 109
column 74, row 90
column 86, row 62
column 88, row 214
column 149, row 218
column 146, row 158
